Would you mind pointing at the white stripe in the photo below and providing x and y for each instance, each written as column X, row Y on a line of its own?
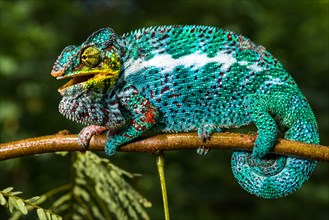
column 274, row 81
column 195, row 61
column 254, row 67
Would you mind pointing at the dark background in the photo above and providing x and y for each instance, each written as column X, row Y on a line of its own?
column 33, row 33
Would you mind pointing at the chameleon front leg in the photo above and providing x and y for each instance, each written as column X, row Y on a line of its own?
column 143, row 116
column 87, row 133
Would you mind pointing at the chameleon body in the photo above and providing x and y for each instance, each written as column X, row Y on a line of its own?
column 189, row 78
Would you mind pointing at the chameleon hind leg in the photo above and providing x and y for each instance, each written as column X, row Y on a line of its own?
column 268, row 175
column 204, row 133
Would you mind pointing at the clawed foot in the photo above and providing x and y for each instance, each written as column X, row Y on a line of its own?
column 202, row 151
column 204, row 134
column 86, row 134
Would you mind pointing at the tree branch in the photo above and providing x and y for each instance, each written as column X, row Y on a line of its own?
column 68, row 142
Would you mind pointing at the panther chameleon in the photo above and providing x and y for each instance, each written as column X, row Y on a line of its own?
column 183, row 78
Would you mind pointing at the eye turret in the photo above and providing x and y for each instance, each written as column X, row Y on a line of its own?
column 91, row 56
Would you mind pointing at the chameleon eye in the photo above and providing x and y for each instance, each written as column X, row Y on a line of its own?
column 91, row 56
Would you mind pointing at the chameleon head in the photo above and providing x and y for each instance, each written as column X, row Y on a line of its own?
column 95, row 65
column 93, row 69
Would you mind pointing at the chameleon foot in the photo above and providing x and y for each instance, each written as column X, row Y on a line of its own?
column 86, row 134
column 202, row 151
column 204, row 134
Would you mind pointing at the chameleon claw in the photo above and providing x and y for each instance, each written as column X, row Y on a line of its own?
column 203, row 151
column 204, row 134
column 205, row 139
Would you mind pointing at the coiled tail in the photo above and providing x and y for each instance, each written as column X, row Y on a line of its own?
column 272, row 177
column 275, row 176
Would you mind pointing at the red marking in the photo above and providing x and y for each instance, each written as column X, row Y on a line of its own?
column 85, row 115
column 78, row 67
column 106, row 115
column 229, row 36
column 123, row 53
column 174, row 95
column 127, row 136
column 149, row 116
column 166, row 78
column 73, row 109
column 138, row 126
column 113, row 102
column 164, row 89
column 161, row 31
column 164, row 37
column 151, row 94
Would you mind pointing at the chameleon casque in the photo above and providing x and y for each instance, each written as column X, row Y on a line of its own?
column 189, row 78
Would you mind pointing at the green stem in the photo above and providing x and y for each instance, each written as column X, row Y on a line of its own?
column 160, row 165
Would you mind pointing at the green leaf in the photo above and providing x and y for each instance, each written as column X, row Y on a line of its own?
column 61, row 200
column 48, row 215
column 97, row 213
column 41, row 214
column 33, row 199
column 21, row 206
column 55, row 217
column 7, row 190
column 11, row 203
column 3, row 200
column 16, row 193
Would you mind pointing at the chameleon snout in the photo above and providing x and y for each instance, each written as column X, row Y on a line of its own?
column 57, row 73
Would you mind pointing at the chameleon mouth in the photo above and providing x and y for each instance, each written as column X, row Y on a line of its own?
column 76, row 79
column 98, row 76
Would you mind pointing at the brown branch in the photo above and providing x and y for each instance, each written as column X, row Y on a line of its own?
column 180, row 141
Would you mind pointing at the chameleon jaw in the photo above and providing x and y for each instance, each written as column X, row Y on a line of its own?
column 76, row 79
column 96, row 76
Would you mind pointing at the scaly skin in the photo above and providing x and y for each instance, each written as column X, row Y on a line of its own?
column 189, row 78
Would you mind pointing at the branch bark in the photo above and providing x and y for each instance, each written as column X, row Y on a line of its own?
column 68, row 142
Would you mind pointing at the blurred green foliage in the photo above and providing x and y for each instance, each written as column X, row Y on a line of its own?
column 33, row 33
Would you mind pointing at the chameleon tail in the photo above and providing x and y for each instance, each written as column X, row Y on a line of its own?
column 271, row 177
column 275, row 176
